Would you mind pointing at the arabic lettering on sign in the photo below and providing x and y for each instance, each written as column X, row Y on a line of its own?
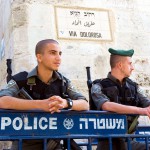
column 79, row 21
column 83, row 23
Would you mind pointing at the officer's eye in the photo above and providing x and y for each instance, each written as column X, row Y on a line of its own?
column 52, row 52
column 60, row 53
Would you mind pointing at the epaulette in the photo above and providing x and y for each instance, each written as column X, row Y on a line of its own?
column 65, row 80
column 98, row 80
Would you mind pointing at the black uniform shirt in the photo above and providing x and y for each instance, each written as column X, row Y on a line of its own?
column 12, row 88
column 100, row 98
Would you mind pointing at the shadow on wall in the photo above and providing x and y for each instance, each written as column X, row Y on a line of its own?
column 101, row 66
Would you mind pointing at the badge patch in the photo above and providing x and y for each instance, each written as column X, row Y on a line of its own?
column 97, row 89
column 10, row 84
column 72, row 88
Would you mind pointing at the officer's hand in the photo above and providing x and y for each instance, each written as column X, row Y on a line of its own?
column 56, row 103
column 147, row 111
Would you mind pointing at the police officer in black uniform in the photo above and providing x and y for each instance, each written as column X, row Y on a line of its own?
column 49, row 89
column 117, row 93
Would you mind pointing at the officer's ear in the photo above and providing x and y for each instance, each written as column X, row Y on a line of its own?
column 39, row 57
column 119, row 64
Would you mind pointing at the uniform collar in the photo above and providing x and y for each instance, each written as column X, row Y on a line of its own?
column 115, row 79
column 33, row 73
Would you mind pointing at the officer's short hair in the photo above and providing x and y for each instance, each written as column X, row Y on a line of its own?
column 41, row 44
column 114, row 59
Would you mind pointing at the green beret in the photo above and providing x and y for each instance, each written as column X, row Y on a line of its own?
column 121, row 52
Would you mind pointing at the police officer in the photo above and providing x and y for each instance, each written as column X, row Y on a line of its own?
column 117, row 93
column 50, row 90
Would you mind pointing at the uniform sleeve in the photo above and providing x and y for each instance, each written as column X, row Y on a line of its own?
column 97, row 96
column 73, row 93
column 11, row 89
column 144, row 101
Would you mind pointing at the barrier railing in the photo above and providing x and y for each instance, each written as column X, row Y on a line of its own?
column 67, row 125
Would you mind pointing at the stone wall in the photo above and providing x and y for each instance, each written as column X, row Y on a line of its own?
column 6, row 37
column 6, row 46
column 35, row 20
column 29, row 21
column 24, row 22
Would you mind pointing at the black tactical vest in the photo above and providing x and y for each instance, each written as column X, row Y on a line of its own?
column 41, row 90
column 123, row 94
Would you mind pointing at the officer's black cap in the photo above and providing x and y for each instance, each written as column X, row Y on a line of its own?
column 121, row 52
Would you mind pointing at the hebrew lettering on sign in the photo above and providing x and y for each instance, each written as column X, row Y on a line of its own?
column 83, row 23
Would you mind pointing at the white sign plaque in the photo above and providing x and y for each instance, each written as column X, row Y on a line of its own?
column 83, row 23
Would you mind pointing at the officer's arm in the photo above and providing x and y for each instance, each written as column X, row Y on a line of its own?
column 8, row 102
column 123, row 109
column 57, row 103
column 103, row 103
column 97, row 96
column 80, row 104
column 79, row 101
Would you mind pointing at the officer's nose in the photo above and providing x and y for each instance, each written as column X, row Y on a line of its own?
column 132, row 67
column 58, row 57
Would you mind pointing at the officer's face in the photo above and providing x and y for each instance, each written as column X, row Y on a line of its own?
column 51, row 57
column 127, row 66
